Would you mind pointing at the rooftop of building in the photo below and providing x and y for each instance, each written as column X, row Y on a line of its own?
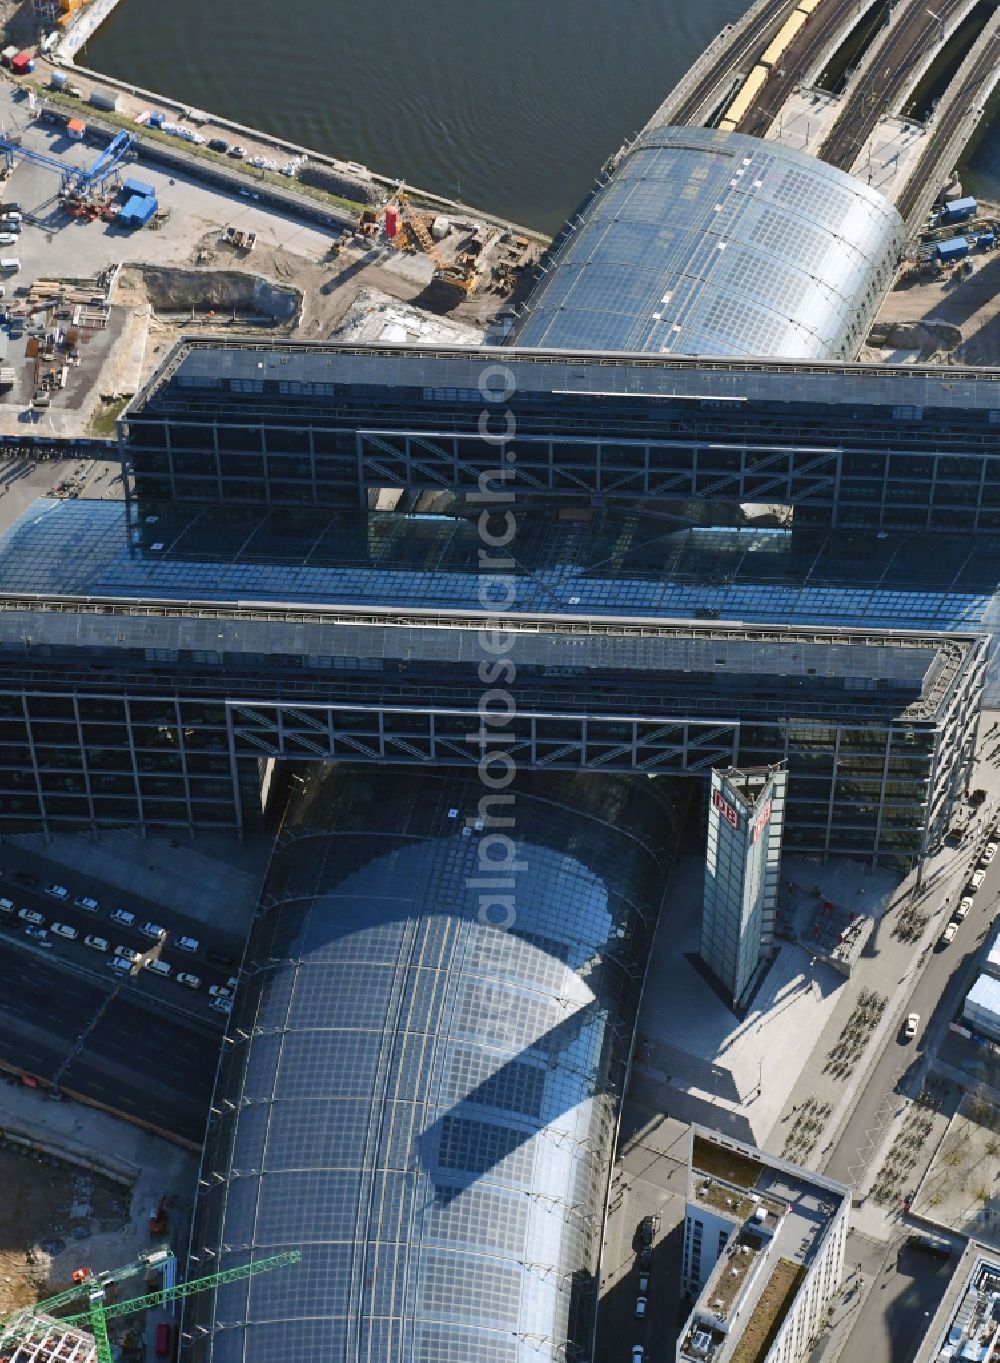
column 611, row 562
column 53, row 602
column 712, row 243
column 782, row 1214
column 966, row 1325
column 298, row 377
column 985, row 993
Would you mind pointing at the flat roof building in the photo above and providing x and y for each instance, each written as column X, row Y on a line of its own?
column 703, row 242
column 764, row 1245
column 966, row 1325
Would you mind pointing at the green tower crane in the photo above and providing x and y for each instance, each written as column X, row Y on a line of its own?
column 93, row 1286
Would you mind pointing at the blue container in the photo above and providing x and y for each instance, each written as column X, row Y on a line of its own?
column 138, row 188
column 986, row 239
column 954, row 249
column 156, row 119
column 137, row 211
column 957, row 210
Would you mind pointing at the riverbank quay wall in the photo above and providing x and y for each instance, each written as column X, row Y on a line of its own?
column 359, row 184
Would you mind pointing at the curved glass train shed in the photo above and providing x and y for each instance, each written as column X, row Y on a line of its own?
column 703, row 242
column 419, row 1098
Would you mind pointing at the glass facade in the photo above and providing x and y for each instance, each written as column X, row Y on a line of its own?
column 422, row 1085
column 867, row 448
column 709, row 243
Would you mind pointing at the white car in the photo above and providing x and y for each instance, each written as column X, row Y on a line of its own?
column 98, row 943
column 31, row 916
column 640, row 1307
column 8, row 239
column 57, row 891
column 187, row 944
column 910, row 1026
column 186, row 978
column 66, row 930
column 119, row 964
column 989, row 854
column 221, row 1005
column 153, row 930
column 158, row 967
column 638, row 1353
column 948, row 936
column 964, row 905
column 41, row 933
column 85, row 902
column 977, row 879
column 127, row 954
column 220, row 991
column 123, row 917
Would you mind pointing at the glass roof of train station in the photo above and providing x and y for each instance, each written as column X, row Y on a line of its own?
column 710, row 243
column 615, row 563
column 421, row 1096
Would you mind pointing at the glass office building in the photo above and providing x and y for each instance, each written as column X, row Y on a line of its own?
column 290, row 425
column 422, row 1095
column 142, row 685
column 746, row 817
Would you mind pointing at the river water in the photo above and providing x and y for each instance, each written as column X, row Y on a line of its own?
column 511, row 106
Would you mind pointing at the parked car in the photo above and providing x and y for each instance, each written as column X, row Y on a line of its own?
column 31, row 916
column 97, row 943
column 120, row 964
column 643, row 1282
column 57, row 891
column 187, row 944
column 86, row 903
column 127, row 954
column 645, row 1258
column 910, row 1026
column 221, row 1005
column 990, row 852
column 158, row 967
column 218, row 144
column 187, row 979
column 638, row 1353
column 41, row 933
column 153, row 930
column 66, row 930
column 640, row 1307
column 977, row 879
column 964, row 905
column 648, row 1227
column 6, row 906
column 123, row 917
column 220, row 991
column 237, row 152
column 8, row 239
column 948, row 936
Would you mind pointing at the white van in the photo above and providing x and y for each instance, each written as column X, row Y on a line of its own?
column 10, row 264
column 159, row 968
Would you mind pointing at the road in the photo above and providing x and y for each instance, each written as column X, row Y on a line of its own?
column 946, row 977
column 888, row 79
column 135, row 1061
column 908, row 1288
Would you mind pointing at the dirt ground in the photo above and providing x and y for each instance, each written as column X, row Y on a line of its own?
column 46, row 1206
column 962, row 309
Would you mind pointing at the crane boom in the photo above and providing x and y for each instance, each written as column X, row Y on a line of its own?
column 99, row 1326
column 15, row 1325
column 182, row 1290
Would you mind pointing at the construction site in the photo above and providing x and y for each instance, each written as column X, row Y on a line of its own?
column 109, row 263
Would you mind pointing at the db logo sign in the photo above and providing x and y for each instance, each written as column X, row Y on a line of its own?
column 762, row 819
column 725, row 809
